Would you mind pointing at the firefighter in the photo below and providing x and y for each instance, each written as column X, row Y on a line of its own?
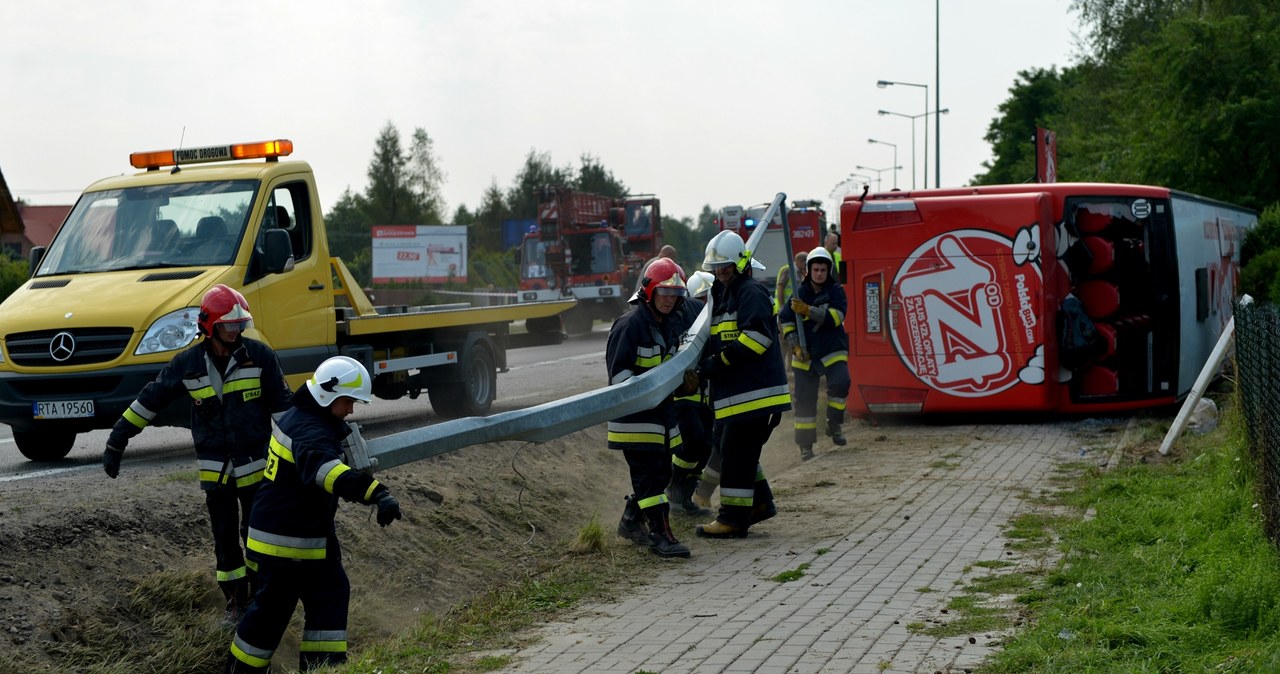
column 291, row 530
column 235, row 385
column 749, row 389
column 639, row 341
column 693, row 413
column 818, row 305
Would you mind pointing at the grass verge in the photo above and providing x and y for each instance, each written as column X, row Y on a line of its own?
column 1172, row 573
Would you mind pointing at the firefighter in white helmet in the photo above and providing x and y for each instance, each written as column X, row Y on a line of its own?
column 291, row 531
column 749, row 389
column 818, row 307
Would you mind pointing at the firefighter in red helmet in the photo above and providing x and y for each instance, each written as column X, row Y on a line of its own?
column 234, row 385
column 639, row 341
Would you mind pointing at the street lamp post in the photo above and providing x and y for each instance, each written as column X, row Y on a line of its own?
column 913, row 119
column 895, row 158
column 888, row 83
column 877, row 171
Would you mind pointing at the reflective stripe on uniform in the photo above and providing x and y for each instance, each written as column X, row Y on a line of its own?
column 737, row 497
column 652, row 501
column 648, row 356
column 841, row 356
column 753, row 400
column 234, row 574
column 369, row 492
column 251, row 655
column 323, row 641
column 637, row 433
column 288, row 547
column 138, row 415
column 755, row 340
column 803, row 423
column 797, row 364
column 837, row 316
column 836, row 403
column 329, row 472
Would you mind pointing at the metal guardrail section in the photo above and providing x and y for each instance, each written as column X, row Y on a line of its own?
column 561, row 417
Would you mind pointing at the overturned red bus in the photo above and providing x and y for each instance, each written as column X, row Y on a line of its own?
column 1068, row 297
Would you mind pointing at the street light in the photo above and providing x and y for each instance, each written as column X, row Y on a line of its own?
column 878, row 171
column 895, row 158
column 913, row 119
column 888, row 83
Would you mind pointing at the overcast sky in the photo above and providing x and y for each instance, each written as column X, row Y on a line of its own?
column 698, row 102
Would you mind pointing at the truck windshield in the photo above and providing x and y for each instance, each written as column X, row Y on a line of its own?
column 190, row 224
column 533, row 261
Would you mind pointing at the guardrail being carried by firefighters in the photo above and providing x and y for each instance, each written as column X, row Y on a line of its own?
column 557, row 418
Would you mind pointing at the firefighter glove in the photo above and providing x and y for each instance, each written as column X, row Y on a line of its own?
column 798, row 306
column 800, row 353
column 388, row 509
column 707, row 368
column 690, row 385
column 111, row 461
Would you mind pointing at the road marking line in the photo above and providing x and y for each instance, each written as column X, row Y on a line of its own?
column 584, row 356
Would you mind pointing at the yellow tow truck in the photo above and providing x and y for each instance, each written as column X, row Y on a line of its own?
column 117, row 292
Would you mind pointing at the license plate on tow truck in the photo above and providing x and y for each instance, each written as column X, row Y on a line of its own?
column 62, row 409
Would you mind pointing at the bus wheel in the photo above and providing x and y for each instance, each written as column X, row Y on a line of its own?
column 473, row 396
column 44, row 445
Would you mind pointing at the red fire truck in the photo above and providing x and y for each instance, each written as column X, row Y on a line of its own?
column 1078, row 298
column 808, row 223
column 589, row 247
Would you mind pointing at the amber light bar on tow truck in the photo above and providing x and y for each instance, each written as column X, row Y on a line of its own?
column 271, row 150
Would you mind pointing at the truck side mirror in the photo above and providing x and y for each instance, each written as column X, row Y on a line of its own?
column 33, row 260
column 277, row 251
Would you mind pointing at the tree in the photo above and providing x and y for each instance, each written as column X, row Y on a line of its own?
column 1034, row 97
column 521, row 197
column 426, row 178
column 595, row 178
column 487, row 222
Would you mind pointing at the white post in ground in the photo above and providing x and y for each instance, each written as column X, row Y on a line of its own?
column 1202, row 382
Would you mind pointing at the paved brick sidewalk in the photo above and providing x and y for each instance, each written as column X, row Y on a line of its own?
column 887, row 539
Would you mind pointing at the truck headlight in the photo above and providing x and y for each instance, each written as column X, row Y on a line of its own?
column 170, row 332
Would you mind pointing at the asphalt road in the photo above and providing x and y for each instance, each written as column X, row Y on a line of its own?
column 535, row 375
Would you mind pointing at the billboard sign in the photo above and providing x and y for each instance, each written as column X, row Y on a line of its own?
column 427, row 254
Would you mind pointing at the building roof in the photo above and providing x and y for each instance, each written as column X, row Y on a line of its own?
column 42, row 222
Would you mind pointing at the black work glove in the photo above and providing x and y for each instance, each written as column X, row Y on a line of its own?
column 707, row 368
column 111, row 461
column 388, row 509
column 690, row 384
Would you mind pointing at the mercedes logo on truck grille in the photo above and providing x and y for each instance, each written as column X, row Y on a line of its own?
column 62, row 346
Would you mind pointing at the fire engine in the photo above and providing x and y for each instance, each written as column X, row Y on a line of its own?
column 805, row 218
column 589, row 247
column 1063, row 297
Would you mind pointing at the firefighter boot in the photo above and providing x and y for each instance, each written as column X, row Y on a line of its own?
column 836, row 434
column 806, row 452
column 236, row 593
column 680, row 494
column 764, row 506
column 718, row 529
column 661, row 540
column 631, row 527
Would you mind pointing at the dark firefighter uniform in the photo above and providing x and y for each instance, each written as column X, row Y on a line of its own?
column 694, row 418
column 749, row 393
column 828, row 348
column 230, row 426
column 293, row 540
column 639, row 342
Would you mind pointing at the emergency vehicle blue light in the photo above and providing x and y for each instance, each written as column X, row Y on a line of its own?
column 749, row 222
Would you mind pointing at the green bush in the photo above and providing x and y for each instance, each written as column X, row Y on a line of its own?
column 13, row 273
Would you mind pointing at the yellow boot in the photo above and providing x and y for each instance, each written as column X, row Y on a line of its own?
column 718, row 529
